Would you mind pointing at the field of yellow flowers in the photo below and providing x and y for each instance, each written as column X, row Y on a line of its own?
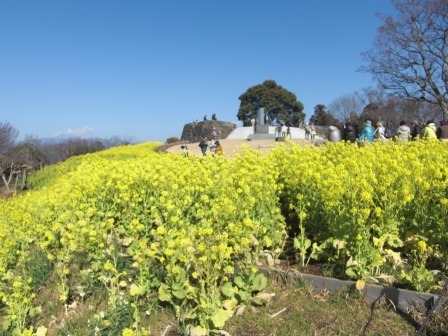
column 153, row 229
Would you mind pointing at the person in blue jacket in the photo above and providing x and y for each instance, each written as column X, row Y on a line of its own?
column 367, row 132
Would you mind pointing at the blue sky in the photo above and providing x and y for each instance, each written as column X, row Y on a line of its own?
column 141, row 69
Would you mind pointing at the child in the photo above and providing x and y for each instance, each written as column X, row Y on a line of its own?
column 219, row 149
column 184, row 150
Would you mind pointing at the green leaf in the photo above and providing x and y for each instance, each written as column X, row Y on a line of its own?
column 198, row 331
column 164, row 294
column 176, row 286
column 228, row 290
column 377, row 261
column 191, row 314
column 260, row 282
column 239, row 281
column 6, row 324
column 244, row 296
column 180, row 294
column 360, row 284
column 230, row 304
column 302, row 245
column 220, row 317
column 395, row 242
column 307, row 244
column 127, row 241
column 181, row 276
column 296, row 243
column 350, row 272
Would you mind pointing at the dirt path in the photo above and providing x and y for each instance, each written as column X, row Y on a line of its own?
column 232, row 147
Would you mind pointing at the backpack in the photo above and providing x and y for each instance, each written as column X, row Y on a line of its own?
column 387, row 133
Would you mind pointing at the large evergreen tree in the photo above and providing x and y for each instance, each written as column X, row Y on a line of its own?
column 322, row 117
column 278, row 102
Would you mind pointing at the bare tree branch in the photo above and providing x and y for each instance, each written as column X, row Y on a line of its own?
column 346, row 106
column 8, row 135
column 410, row 58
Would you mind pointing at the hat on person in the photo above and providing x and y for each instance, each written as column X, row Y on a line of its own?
column 379, row 123
column 368, row 122
column 415, row 122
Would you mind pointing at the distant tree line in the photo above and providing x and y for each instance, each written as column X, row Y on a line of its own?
column 375, row 105
column 17, row 159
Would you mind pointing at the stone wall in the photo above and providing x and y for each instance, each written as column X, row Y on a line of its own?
column 193, row 132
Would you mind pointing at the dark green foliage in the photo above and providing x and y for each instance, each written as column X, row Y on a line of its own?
column 322, row 117
column 37, row 267
column 278, row 103
column 119, row 318
column 172, row 140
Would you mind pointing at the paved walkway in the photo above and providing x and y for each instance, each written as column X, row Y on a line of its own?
column 233, row 147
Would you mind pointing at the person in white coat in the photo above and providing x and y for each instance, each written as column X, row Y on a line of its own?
column 403, row 132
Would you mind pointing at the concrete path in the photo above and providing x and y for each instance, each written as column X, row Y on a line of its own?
column 233, row 147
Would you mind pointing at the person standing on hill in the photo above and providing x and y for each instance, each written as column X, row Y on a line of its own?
column 416, row 131
column 429, row 132
column 279, row 130
column 203, row 145
column 307, row 131
column 313, row 131
column 403, row 131
column 367, row 132
column 442, row 131
column 350, row 133
column 219, row 149
column 214, row 133
column 288, row 131
column 379, row 131
column 184, row 150
column 283, row 130
column 211, row 146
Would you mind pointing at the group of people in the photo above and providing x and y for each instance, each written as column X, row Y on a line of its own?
column 310, row 131
column 426, row 131
column 282, row 131
column 207, row 144
column 213, row 117
column 369, row 133
column 211, row 145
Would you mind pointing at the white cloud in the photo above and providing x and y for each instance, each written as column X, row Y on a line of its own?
column 75, row 133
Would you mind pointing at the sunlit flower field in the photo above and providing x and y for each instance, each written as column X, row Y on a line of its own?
column 154, row 229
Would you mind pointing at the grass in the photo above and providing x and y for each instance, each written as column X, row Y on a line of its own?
column 296, row 309
column 303, row 310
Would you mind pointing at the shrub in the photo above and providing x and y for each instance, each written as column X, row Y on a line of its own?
column 172, row 140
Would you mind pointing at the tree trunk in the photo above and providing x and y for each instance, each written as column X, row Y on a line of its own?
column 25, row 171
column 6, row 183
